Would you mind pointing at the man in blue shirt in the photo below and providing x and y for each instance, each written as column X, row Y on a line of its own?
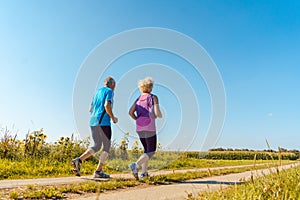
column 101, row 115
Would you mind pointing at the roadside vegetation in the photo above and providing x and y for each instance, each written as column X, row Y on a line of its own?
column 77, row 189
column 283, row 184
column 34, row 157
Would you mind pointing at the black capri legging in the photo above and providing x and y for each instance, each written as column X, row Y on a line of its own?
column 148, row 140
column 101, row 135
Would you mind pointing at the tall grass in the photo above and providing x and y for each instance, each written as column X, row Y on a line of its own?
column 283, row 184
column 34, row 146
column 65, row 191
column 242, row 155
column 34, row 157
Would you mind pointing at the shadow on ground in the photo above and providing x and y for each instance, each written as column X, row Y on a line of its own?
column 96, row 179
column 213, row 182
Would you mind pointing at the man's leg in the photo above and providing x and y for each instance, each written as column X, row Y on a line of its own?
column 102, row 159
column 96, row 135
column 106, row 139
column 77, row 162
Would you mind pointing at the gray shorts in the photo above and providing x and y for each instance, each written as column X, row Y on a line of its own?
column 101, row 135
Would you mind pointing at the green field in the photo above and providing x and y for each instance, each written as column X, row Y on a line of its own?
column 64, row 191
column 33, row 157
column 281, row 185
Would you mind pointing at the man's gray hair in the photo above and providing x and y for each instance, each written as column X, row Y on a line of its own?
column 108, row 81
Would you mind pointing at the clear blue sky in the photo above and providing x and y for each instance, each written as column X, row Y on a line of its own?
column 255, row 45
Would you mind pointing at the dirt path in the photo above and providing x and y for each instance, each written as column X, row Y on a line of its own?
column 173, row 191
column 181, row 190
column 6, row 184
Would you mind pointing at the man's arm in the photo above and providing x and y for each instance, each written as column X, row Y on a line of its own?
column 109, row 111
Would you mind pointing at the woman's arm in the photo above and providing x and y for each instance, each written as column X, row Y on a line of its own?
column 132, row 110
column 157, row 111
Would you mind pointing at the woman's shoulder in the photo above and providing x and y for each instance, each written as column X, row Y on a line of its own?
column 153, row 95
column 154, row 98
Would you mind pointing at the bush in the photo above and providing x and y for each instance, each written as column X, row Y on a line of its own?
column 241, row 155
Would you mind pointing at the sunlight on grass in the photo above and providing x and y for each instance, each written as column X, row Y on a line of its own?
column 62, row 191
column 283, row 184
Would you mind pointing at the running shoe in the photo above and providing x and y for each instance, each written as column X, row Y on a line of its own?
column 134, row 170
column 76, row 164
column 101, row 174
column 144, row 175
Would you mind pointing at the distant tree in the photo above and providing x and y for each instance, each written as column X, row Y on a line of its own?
column 282, row 149
column 217, row 149
column 269, row 150
column 294, row 151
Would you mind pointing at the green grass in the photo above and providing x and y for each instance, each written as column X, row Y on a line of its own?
column 33, row 157
column 178, row 177
column 31, row 168
column 283, row 184
column 63, row 191
column 189, row 163
column 58, row 192
column 243, row 155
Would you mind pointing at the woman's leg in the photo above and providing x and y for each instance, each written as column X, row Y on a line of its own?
column 148, row 140
column 143, row 139
column 145, row 167
column 143, row 158
column 151, row 145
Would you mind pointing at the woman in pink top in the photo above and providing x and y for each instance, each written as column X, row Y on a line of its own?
column 144, row 111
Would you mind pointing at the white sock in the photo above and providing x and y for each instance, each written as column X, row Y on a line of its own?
column 143, row 158
column 90, row 151
column 103, row 157
column 145, row 167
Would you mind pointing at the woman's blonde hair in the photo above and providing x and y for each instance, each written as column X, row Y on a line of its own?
column 146, row 84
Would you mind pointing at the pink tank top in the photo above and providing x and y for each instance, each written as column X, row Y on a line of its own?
column 145, row 113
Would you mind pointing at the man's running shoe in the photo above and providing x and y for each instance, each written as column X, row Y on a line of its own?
column 76, row 164
column 101, row 174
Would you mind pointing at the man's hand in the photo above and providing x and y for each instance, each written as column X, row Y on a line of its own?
column 115, row 120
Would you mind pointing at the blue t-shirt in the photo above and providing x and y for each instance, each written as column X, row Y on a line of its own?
column 99, row 117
